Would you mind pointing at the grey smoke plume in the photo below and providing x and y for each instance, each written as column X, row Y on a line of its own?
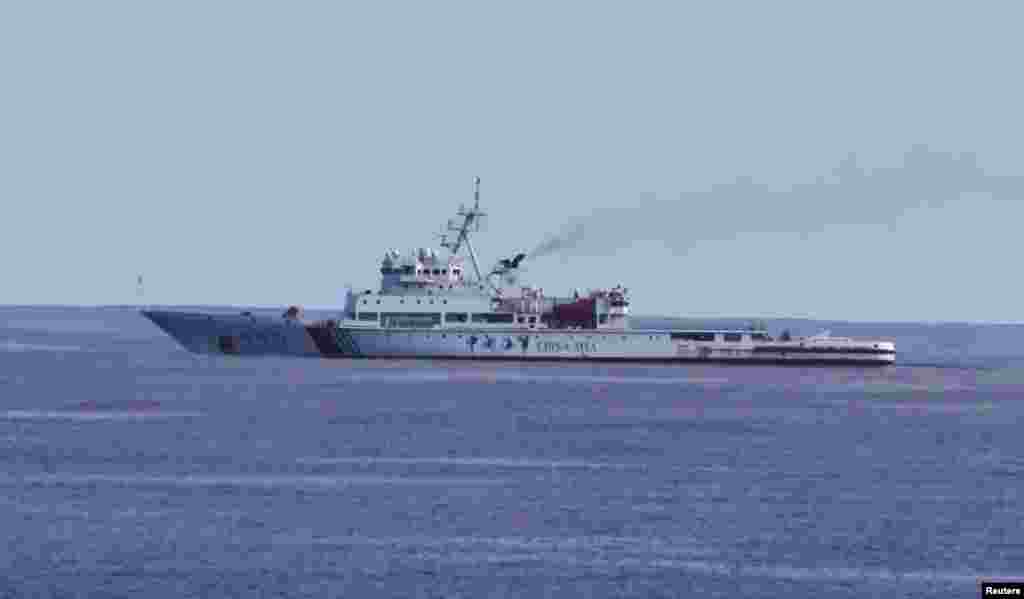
column 925, row 183
column 568, row 239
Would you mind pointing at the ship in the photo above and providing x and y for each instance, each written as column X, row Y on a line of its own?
column 443, row 307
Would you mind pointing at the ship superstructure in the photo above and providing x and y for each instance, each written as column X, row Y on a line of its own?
column 430, row 305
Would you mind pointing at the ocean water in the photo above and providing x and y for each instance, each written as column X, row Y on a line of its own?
column 131, row 468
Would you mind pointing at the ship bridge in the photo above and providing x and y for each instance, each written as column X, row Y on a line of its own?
column 422, row 270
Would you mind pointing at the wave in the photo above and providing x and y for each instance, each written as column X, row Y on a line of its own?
column 265, row 481
column 92, row 416
column 507, row 463
column 837, row 574
column 10, row 345
column 674, row 546
column 617, row 553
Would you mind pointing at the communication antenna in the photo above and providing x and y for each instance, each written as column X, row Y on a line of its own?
column 349, row 309
column 140, row 290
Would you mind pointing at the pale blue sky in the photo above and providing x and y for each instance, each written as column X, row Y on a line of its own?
column 268, row 153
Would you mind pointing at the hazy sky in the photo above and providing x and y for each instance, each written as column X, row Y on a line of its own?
column 838, row 160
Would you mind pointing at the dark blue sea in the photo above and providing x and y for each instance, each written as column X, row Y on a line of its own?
column 130, row 468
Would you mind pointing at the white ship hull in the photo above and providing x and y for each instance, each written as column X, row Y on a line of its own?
column 624, row 346
column 248, row 335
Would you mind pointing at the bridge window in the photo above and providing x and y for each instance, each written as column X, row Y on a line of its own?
column 372, row 316
column 733, row 337
column 456, row 317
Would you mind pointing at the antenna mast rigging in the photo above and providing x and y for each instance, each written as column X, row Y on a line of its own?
column 471, row 221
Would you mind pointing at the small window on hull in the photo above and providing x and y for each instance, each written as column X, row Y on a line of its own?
column 490, row 318
column 693, row 336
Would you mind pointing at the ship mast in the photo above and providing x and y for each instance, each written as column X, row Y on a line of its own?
column 471, row 220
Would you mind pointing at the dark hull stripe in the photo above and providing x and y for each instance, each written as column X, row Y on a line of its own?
column 635, row 360
column 824, row 350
